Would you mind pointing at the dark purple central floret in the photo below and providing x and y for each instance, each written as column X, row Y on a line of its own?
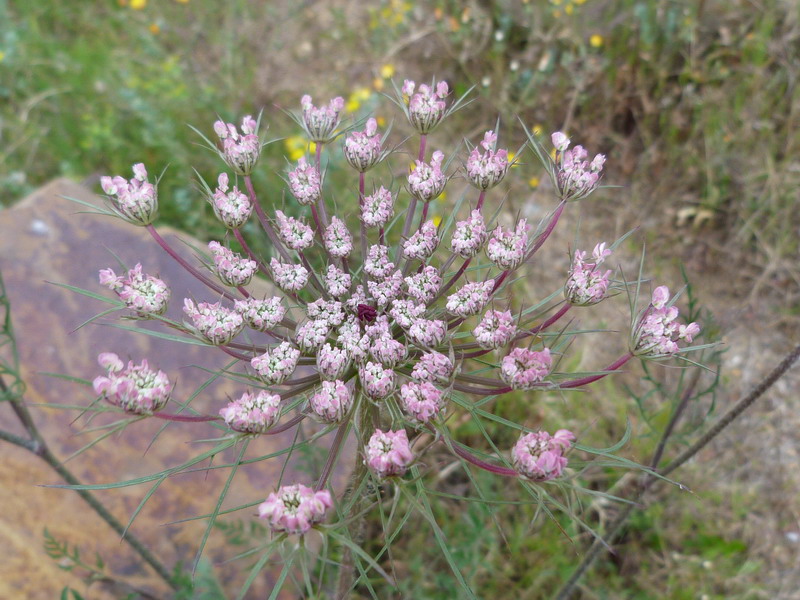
column 367, row 313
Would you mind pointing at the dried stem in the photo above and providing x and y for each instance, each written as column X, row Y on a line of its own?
column 37, row 445
column 615, row 528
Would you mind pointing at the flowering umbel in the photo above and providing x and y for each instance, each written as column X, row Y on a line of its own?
column 145, row 294
column 135, row 200
column 388, row 453
column 575, row 176
column 320, row 122
column 137, row 389
column 390, row 318
column 540, row 456
column 252, row 412
column 295, row 508
column 587, row 284
column 240, row 147
column 426, row 107
column 658, row 332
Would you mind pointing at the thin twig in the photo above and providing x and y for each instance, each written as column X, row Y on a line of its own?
column 616, row 526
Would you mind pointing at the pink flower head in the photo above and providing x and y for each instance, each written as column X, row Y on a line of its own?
column 427, row 181
column 405, row 312
column 540, row 456
column 312, row 334
column 290, row 278
column 135, row 200
column 337, row 239
column 433, row 367
column 523, row 368
column 217, row 324
column 232, row 269
column 495, row 330
column 252, row 412
column 326, row 310
column 427, row 333
column 332, row 362
column 294, row 233
column 486, row 170
column 377, row 263
column 305, row 182
column 384, row 292
column 388, row 453
column 276, row 364
column 426, row 108
column 421, row 401
column 507, row 248
column 423, row 243
column 331, row 402
column 470, row 299
column 320, row 123
column 560, row 141
column 576, row 177
column 353, row 340
column 230, row 205
column 362, row 149
column 261, row 315
column 337, row 282
column 376, row 380
column 469, row 236
column 295, row 508
column 586, row 284
column 138, row 389
column 388, row 351
column 657, row 333
column 145, row 294
column 424, row 286
column 377, row 209
column 240, row 148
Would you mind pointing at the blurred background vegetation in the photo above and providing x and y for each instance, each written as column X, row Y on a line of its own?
column 694, row 102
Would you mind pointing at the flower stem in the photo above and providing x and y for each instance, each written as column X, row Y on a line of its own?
column 333, row 453
column 265, row 224
column 181, row 261
column 592, row 378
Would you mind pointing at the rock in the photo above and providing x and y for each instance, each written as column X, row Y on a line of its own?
column 45, row 240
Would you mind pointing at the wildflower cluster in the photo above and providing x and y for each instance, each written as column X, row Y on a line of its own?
column 382, row 312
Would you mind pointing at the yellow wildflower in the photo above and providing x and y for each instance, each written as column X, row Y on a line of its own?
column 596, row 40
column 533, row 182
column 381, row 121
column 358, row 96
column 437, row 220
column 569, row 9
column 297, row 146
column 138, row 4
column 537, row 129
column 154, row 28
column 387, row 71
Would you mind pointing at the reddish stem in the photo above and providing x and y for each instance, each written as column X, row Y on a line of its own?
column 341, row 435
column 321, row 201
column 265, row 224
column 471, row 458
column 538, row 244
column 592, row 378
column 180, row 260
column 261, row 266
